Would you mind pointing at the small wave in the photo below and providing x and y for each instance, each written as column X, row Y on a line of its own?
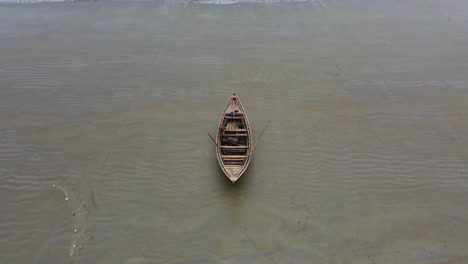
column 219, row 2
column 226, row 2
column 33, row 1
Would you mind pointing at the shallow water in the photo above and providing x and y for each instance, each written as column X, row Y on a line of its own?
column 365, row 160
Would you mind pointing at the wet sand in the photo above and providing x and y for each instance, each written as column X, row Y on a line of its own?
column 365, row 160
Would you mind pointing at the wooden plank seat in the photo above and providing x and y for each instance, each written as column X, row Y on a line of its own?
column 230, row 135
column 233, row 157
column 234, row 147
column 235, row 130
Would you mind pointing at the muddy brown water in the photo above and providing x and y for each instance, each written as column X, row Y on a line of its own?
column 365, row 160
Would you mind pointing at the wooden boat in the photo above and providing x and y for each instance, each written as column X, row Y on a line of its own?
column 234, row 140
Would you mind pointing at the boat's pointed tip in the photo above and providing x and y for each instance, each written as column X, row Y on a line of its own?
column 233, row 180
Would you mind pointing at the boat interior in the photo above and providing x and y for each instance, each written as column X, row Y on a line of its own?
column 234, row 139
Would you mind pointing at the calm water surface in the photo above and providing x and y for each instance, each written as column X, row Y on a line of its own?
column 365, row 160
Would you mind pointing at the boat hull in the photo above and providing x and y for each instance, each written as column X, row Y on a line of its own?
column 233, row 140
